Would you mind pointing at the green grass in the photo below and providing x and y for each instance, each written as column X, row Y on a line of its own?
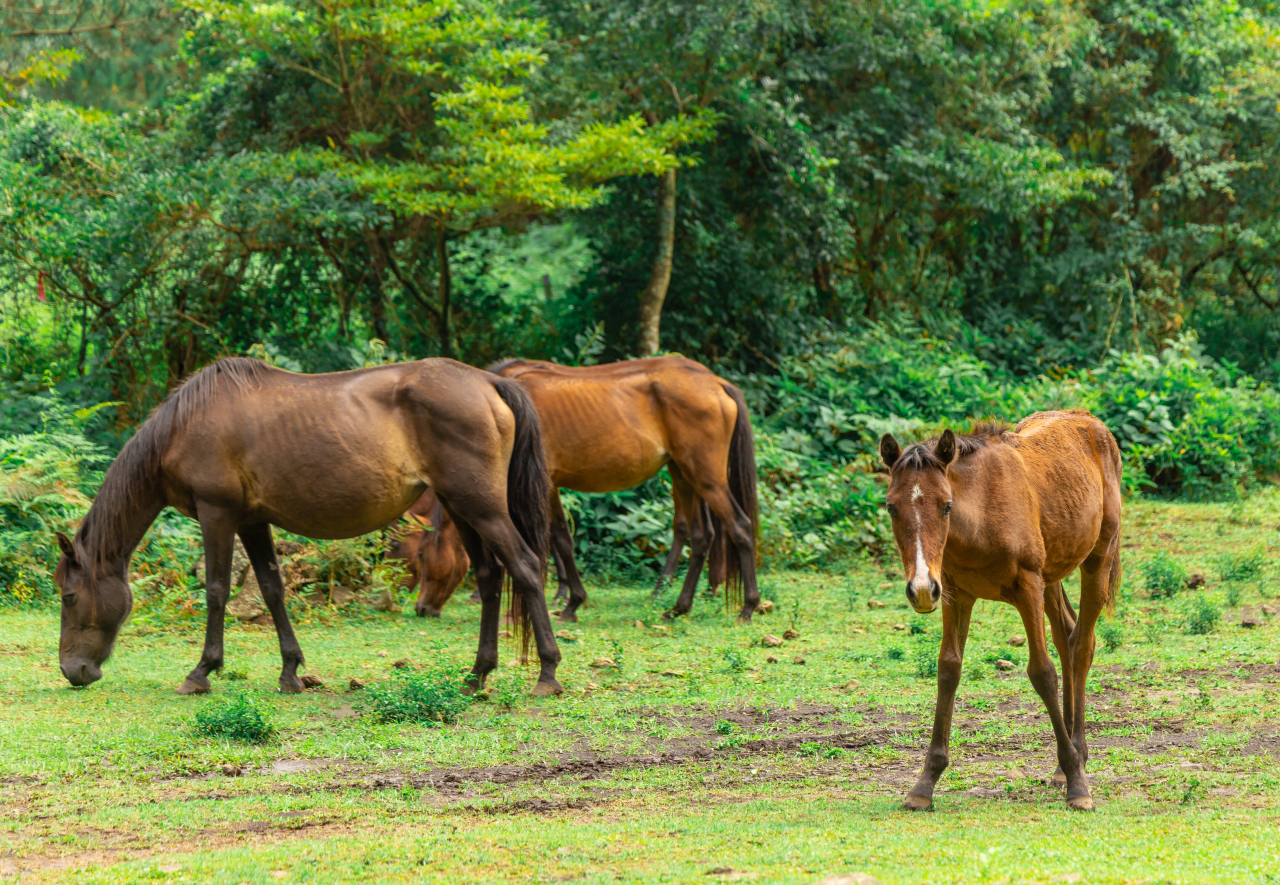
column 696, row 755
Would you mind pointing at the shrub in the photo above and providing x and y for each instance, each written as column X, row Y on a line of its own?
column 1240, row 568
column 1200, row 615
column 1111, row 634
column 239, row 718
column 926, row 661
column 428, row 698
column 1164, row 576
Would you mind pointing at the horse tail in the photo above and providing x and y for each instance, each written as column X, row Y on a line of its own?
column 1115, row 577
column 742, row 486
column 528, row 494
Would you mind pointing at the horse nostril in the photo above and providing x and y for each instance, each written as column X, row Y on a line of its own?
column 911, row 596
column 937, row 591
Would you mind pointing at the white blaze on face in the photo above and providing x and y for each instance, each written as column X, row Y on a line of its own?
column 919, row 580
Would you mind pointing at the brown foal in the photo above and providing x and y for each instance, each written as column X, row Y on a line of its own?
column 1006, row 515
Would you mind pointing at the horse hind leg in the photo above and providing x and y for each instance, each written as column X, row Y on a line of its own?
column 1061, row 622
column 1095, row 575
column 700, row 539
column 262, row 555
column 489, row 574
column 217, row 530
column 566, row 568
column 1029, row 600
column 679, row 538
column 741, row 533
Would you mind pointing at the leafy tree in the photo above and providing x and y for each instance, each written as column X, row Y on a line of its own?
column 421, row 108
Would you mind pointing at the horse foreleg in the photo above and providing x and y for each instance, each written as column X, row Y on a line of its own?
column 1060, row 624
column 956, row 609
column 1030, row 603
column 566, row 568
column 266, row 568
column 218, row 530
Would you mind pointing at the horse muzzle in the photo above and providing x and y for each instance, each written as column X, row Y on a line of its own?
column 426, row 611
column 81, row 672
column 924, row 599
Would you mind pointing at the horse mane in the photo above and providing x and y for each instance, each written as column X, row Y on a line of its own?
column 981, row 434
column 133, row 474
column 497, row 367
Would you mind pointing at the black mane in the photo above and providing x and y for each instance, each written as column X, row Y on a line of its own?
column 920, row 456
column 132, row 475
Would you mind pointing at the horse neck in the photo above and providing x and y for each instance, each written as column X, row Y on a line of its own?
column 121, row 525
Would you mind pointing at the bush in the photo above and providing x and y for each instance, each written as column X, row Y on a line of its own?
column 1240, row 568
column 1200, row 615
column 1163, row 576
column 239, row 718
column 431, row 699
column 1111, row 634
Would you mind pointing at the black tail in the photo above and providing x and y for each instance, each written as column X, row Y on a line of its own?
column 742, row 485
column 528, row 491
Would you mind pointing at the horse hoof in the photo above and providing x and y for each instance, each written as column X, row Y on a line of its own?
column 1080, row 803
column 545, row 689
column 671, row 614
column 291, row 685
column 567, row 617
column 744, row 620
column 916, row 803
column 1059, row 780
column 194, row 686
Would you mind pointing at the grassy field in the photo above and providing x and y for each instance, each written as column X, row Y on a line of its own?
column 694, row 760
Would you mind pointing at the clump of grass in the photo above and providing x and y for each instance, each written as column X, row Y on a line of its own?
column 1111, row 634
column 430, row 698
column 1240, row 568
column 1200, row 615
column 724, row 726
column 926, row 661
column 894, row 653
column 734, row 660
column 239, row 718
column 1163, row 576
column 233, row 675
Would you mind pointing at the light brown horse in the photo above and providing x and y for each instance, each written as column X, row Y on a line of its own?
column 612, row 427
column 242, row 446
column 1006, row 516
column 434, row 555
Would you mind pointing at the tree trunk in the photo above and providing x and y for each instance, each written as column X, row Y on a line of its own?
column 446, row 294
column 378, row 306
column 660, row 276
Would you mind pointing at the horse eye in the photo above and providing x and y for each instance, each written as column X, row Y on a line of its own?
column 946, row 508
column 69, row 600
column 893, row 511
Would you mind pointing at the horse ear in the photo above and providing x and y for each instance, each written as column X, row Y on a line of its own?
column 945, row 451
column 889, row 450
column 68, row 549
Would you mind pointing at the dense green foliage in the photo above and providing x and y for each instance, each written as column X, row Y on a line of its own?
column 238, row 718
column 890, row 215
column 430, row 699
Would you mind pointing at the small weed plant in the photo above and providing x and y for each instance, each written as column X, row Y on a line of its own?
column 1111, row 633
column 1163, row 576
column 428, row 698
column 1240, row 568
column 1200, row 615
column 239, row 718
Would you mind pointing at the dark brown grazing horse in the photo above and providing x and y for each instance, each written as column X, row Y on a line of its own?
column 434, row 555
column 1006, row 516
column 612, row 427
column 242, row 446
